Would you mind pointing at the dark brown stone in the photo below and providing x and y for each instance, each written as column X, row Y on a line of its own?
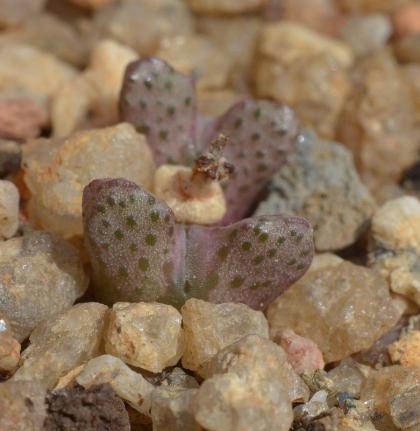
column 93, row 409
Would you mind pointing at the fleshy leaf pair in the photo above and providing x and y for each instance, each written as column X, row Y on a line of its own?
column 161, row 103
column 139, row 253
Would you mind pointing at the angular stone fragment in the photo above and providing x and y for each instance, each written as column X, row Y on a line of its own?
column 396, row 245
column 63, row 342
column 56, row 171
column 127, row 384
column 9, row 209
column 319, row 182
column 378, row 121
column 393, row 393
column 146, row 335
column 46, row 31
column 302, row 353
column 18, row 76
column 91, row 98
column 174, row 411
column 220, row 7
column 254, row 358
column 10, row 157
column 96, row 408
column 197, row 55
column 305, row 70
column 41, row 275
column 22, row 406
column 21, row 118
column 406, row 350
column 13, row 12
column 366, row 33
column 157, row 19
column 9, row 352
column 343, row 309
column 210, row 327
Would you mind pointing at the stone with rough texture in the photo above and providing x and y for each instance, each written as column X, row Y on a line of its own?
column 302, row 353
column 57, row 170
column 210, row 327
column 22, row 406
column 197, row 55
column 63, row 342
column 306, row 70
column 342, row 308
column 13, row 12
column 10, row 157
column 21, row 118
column 406, row 350
column 9, row 350
column 378, row 121
column 146, row 335
column 157, row 19
column 319, row 182
column 132, row 387
column 366, row 33
column 395, row 248
column 91, row 98
column 9, row 209
column 93, row 409
column 19, row 77
column 46, row 31
column 255, row 358
column 220, row 7
column 41, row 275
column 393, row 394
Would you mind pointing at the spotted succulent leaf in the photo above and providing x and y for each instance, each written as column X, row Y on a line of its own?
column 161, row 104
column 139, row 253
column 261, row 134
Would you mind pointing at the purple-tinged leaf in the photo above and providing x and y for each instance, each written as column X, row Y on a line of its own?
column 262, row 133
column 161, row 104
column 139, row 253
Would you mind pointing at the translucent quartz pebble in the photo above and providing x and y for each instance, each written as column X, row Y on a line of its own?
column 19, row 76
column 91, row 98
column 48, row 32
column 41, row 275
column 366, row 33
column 158, row 19
column 220, row 7
column 13, row 12
column 306, row 70
column 9, row 209
column 174, row 411
column 22, row 406
column 146, row 335
column 132, row 387
column 57, row 170
column 342, row 308
column 320, row 182
column 198, row 55
column 255, row 358
column 9, row 352
column 395, row 245
column 378, row 121
column 393, row 392
column 63, row 342
column 211, row 327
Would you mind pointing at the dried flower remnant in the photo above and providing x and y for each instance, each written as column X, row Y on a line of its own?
column 195, row 194
column 161, row 103
column 139, row 252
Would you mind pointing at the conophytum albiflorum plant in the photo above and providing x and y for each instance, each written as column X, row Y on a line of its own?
column 140, row 253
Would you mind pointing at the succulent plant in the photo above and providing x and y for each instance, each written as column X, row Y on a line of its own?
column 161, row 103
column 140, row 253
